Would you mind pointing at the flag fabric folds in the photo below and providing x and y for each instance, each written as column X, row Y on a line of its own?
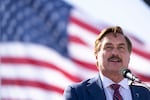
column 45, row 45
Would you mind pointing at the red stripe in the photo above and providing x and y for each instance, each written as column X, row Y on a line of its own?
column 142, row 77
column 40, row 64
column 136, row 39
column 84, row 25
column 77, row 40
column 90, row 66
column 36, row 84
column 141, row 53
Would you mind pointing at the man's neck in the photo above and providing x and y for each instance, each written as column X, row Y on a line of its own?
column 114, row 77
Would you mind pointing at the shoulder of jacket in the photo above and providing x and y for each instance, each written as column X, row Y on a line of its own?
column 83, row 83
column 140, row 87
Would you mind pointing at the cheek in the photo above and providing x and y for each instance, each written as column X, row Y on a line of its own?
column 127, row 59
column 102, row 57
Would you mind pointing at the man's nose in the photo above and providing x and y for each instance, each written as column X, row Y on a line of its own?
column 115, row 51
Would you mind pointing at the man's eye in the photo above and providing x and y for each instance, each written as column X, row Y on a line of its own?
column 121, row 48
column 109, row 47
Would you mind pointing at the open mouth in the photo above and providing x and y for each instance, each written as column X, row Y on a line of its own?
column 114, row 59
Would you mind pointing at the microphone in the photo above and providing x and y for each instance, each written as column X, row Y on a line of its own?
column 127, row 74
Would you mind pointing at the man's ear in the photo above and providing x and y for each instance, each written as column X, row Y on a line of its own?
column 96, row 57
column 96, row 60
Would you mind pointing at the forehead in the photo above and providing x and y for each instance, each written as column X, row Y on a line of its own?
column 114, row 39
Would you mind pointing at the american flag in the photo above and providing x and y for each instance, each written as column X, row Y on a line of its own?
column 45, row 45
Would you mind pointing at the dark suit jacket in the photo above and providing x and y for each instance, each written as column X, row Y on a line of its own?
column 91, row 90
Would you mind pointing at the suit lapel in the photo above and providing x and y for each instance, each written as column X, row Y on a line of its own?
column 135, row 94
column 95, row 88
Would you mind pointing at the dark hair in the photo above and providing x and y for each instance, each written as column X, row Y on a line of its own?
column 115, row 31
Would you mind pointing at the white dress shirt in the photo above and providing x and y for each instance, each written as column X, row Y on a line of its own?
column 124, row 88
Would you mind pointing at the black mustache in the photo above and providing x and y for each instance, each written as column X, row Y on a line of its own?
column 115, row 57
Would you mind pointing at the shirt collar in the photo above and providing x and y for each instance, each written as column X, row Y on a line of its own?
column 107, row 82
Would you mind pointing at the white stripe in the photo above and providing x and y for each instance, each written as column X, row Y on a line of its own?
column 28, row 93
column 86, row 73
column 34, row 73
column 37, row 52
column 81, row 52
column 140, row 64
column 84, row 34
column 84, row 17
column 142, row 47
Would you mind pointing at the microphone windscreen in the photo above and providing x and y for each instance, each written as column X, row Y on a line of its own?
column 124, row 71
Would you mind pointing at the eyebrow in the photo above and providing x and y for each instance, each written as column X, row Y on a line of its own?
column 108, row 44
column 122, row 44
column 118, row 44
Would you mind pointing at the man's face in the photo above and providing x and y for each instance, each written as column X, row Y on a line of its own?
column 113, row 54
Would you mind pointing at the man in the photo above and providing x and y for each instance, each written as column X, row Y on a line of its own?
column 112, row 52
